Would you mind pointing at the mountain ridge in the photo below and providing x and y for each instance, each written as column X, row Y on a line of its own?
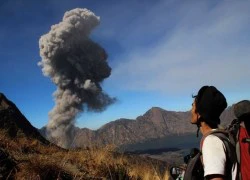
column 155, row 123
column 127, row 131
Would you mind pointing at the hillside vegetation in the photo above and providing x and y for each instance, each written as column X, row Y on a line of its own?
column 23, row 158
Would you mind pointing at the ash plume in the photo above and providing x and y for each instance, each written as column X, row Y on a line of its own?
column 77, row 66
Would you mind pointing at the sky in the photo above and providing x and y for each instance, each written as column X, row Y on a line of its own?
column 161, row 52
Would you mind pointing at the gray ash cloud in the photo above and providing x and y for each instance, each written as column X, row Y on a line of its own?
column 77, row 65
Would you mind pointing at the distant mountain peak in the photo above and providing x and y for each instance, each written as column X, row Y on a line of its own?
column 156, row 109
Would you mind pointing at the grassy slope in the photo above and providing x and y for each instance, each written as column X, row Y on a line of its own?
column 24, row 158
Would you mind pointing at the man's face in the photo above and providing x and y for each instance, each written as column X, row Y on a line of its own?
column 195, row 115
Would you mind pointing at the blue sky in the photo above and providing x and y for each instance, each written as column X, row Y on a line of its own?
column 160, row 52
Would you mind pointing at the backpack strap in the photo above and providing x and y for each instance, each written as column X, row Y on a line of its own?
column 194, row 170
column 234, row 131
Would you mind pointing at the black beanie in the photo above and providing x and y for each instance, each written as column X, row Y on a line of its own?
column 210, row 103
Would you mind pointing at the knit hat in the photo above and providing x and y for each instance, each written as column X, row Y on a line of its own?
column 242, row 108
column 210, row 103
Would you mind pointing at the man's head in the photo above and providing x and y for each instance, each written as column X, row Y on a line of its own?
column 208, row 105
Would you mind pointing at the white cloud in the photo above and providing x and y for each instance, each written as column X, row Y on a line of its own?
column 206, row 45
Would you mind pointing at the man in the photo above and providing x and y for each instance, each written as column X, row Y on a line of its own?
column 207, row 107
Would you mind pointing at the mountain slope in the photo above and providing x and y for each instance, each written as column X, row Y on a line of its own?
column 156, row 123
column 15, row 123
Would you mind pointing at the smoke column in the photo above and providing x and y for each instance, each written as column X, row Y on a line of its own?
column 77, row 66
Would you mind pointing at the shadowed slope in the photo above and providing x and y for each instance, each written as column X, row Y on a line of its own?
column 15, row 123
